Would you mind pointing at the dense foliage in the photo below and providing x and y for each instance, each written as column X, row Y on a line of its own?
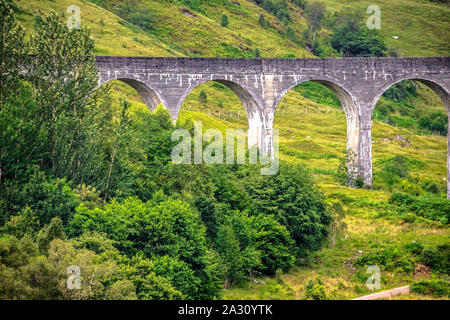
column 86, row 182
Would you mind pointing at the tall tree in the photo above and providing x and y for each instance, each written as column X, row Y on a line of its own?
column 13, row 56
column 314, row 13
column 64, row 78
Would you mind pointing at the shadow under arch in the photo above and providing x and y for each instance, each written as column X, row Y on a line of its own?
column 443, row 93
column 438, row 88
column 350, row 106
column 251, row 106
column 150, row 97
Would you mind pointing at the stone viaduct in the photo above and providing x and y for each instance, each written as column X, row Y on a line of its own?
column 261, row 84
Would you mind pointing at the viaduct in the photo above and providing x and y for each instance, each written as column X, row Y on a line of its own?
column 260, row 84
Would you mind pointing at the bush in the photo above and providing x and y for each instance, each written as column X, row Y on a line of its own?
column 391, row 258
column 274, row 244
column 262, row 20
column 316, row 290
column 436, row 288
column 224, row 22
column 437, row 258
column 428, row 206
column 202, row 96
column 394, row 169
column 291, row 197
column 414, row 248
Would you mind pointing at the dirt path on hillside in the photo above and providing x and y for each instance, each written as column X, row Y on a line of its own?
column 385, row 294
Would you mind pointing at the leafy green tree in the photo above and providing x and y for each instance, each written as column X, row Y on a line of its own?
column 262, row 20
column 290, row 33
column 46, row 197
column 337, row 225
column 224, row 22
column 13, row 53
column 292, row 199
column 229, row 249
column 121, row 290
column 394, row 169
column 149, row 286
column 203, row 98
column 54, row 230
column 120, row 138
column 64, row 77
column 315, row 12
column 209, row 214
column 20, row 138
column 352, row 39
column 274, row 243
column 179, row 273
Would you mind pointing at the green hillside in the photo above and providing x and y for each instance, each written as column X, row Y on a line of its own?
column 311, row 123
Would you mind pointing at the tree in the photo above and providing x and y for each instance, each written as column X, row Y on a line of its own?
column 337, row 225
column 54, row 230
column 362, row 43
column 274, row 243
column 202, row 96
column 120, row 138
column 19, row 135
column 290, row 33
column 352, row 39
column 394, row 169
column 64, row 76
column 228, row 247
column 13, row 53
column 224, row 22
column 315, row 12
column 262, row 20
column 296, row 204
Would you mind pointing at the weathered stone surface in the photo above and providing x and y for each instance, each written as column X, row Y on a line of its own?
column 261, row 84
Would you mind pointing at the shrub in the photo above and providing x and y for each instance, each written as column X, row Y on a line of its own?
column 316, row 290
column 391, row 258
column 436, row 288
column 262, row 20
column 436, row 259
column 414, row 248
column 291, row 197
column 224, row 22
column 202, row 96
column 274, row 244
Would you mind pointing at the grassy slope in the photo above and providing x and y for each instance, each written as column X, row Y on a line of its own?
column 318, row 137
column 422, row 26
column 113, row 38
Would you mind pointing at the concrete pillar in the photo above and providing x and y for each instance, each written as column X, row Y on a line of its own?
column 365, row 155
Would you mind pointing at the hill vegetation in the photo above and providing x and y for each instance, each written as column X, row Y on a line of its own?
column 219, row 231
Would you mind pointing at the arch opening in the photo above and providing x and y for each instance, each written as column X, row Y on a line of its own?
column 409, row 122
column 324, row 128
column 224, row 100
column 145, row 94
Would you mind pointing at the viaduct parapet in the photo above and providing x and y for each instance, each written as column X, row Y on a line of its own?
column 261, row 84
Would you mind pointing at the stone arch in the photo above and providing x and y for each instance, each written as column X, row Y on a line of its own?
column 443, row 92
column 250, row 103
column 352, row 114
column 150, row 96
column 438, row 87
